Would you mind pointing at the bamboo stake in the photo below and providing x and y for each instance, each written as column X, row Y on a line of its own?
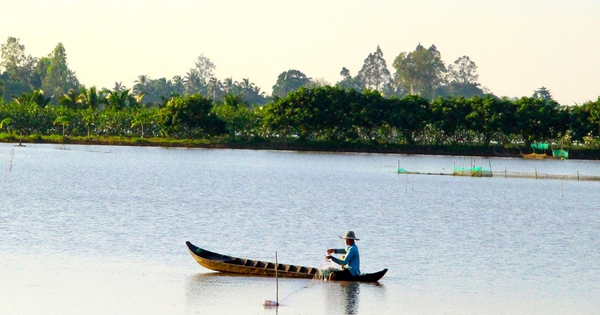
column 276, row 280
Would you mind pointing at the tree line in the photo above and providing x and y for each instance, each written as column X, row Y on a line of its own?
column 330, row 114
column 419, row 72
column 423, row 102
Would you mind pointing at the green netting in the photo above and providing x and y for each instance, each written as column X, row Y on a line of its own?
column 560, row 153
column 476, row 171
column 401, row 171
column 539, row 146
column 468, row 169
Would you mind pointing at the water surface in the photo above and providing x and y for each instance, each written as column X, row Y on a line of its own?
column 98, row 229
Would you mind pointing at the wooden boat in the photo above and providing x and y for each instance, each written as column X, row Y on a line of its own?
column 230, row 264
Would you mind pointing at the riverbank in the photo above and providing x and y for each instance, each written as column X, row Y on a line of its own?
column 575, row 153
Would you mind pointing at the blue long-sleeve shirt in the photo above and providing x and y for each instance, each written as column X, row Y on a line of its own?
column 351, row 261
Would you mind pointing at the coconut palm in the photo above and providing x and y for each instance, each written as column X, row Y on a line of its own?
column 192, row 81
column 69, row 100
column 34, row 97
column 142, row 117
column 118, row 99
column 119, row 87
column 246, row 85
column 63, row 120
column 89, row 98
column 215, row 87
column 178, row 85
column 141, row 84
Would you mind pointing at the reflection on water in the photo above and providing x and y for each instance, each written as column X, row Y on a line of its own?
column 240, row 294
column 350, row 293
column 344, row 297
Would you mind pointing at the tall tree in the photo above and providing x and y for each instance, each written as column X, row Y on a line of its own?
column 205, row 68
column 420, row 71
column 13, row 56
column 544, row 94
column 462, row 78
column 289, row 81
column 374, row 73
column 348, row 82
column 59, row 78
column 16, row 69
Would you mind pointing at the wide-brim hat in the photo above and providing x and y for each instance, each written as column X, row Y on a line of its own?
column 349, row 235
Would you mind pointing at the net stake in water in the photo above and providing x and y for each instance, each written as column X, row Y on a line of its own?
column 276, row 302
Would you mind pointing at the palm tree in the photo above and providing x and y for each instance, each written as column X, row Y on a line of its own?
column 89, row 119
column 230, row 86
column 215, row 87
column 246, row 85
column 140, row 84
column 69, row 100
column 235, row 100
column 89, row 98
column 118, row 99
column 34, row 97
column 193, row 82
column 119, row 87
column 178, row 85
column 142, row 117
column 63, row 120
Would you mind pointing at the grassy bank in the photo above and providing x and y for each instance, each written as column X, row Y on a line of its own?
column 297, row 145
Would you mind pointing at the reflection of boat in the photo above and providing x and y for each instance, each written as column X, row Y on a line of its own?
column 229, row 264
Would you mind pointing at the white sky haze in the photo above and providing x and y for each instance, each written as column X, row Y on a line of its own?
column 518, row 46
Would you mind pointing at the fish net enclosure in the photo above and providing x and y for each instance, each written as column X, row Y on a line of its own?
column 538, row 175
column 479, row 171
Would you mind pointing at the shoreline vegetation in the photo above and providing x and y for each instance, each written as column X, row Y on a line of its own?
column 294, row 145
column 425, row 107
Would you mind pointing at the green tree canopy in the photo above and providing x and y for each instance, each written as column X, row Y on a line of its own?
column 59, row 79
column 420, row 72
column 348, row 82
column 461, row 79
column 289, row 81
column 190, row 117
column 374, row 73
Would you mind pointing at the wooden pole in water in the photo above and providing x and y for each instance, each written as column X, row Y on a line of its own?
column 453, row 166
column 276, row 280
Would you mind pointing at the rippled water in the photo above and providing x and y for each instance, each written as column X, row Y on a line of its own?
column 96, row 230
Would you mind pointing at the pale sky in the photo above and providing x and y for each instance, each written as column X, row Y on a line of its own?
column 518, row 45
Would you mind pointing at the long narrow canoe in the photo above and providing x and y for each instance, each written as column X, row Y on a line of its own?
column 230, row 264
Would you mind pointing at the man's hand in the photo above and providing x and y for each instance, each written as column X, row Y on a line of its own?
column 329, row 251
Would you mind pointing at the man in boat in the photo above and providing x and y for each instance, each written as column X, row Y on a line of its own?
column 350, row 263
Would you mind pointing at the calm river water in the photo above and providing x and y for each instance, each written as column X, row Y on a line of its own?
column 102, row 230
